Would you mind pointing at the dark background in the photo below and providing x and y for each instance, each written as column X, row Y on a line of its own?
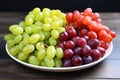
column 64, row 5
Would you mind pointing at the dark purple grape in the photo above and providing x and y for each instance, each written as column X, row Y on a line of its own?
column 63, row 36
column 86, row 51
column 61, row 44
column 67, row 63
column 78, row 51
column 93, row 43
column 68, row 53
column 87, row 60
column 76, row 60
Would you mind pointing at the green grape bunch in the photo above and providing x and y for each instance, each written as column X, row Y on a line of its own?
column 34, row 40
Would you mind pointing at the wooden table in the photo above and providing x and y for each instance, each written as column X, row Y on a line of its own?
column 107, row 69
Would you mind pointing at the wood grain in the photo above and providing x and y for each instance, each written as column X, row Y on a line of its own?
column 107, row 69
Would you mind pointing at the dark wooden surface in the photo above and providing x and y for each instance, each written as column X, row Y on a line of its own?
column 107, row 69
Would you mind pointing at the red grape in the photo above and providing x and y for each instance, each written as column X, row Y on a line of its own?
column 68, row 53
column 96, row 54
column 63, row 36
column 69, row 44
column 81, row 42
column 86, row 51
column 76, row 60
column 93, row 43
column 78, row 51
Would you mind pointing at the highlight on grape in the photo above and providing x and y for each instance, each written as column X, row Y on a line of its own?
column 51, row 38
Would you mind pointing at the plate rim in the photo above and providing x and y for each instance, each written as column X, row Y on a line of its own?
column 63, row 69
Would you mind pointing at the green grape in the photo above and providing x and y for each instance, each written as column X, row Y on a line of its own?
column 18, row 38
column 14, row 50
column 12, row 27
column 21, row 45
column 54, row 25
column 8, row 37
column 31, row 15
column 58, row 12
column 60, row 21
column 61, row 29
column 46, row 34
column 59, row 53
column 39, row 17
column 34, row 38
column 51, row 52
column 52, row 13
column 46, row 10
column 38, row 23
column 46, row 27
column 42, row 36
column 36, row 10
column 22, row 56
column 28, row 30
column 22, row 24
column 42, row 63
column 10, row 43
column 28, row 21
column 33, row 60
column 54, row 18
column 41, row 54
column 55, row 34
column 58, row 62
column 17, row 30
column 25, row 41
column 25, row 35
column 28, row 49
column 36, row 29
column 47, row 20
column 46, row 14
column 52, row 41
column 40, row 46
column 49, row 62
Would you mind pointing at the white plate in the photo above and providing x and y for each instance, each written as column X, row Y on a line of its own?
column 63, row 69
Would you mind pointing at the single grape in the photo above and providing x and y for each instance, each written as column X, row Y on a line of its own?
column 46, row 27
column 68, row 53
column 22, row 56
column 49, row 62
column 76, row 60
column 52, row 41
column 41, row 54
column 18, row 38
column 81, row 42
column 93, row 43
column 33, row 60
column 58, row 62
column 87, row 60
column 59, row 53
column 34, row 38
column 28, row 49
column 95, row 54
column 69, row 44
column 14, row 50
column 51, row 52
column 63, row 36
column 55, row 34
column 78, row 51
column 67, row 63
column 8, row 37
column 71, row 32
column 86, row 51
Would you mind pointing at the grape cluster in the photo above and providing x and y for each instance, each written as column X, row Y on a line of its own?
column 34, row 39
column 86, row 39
column 54, row 39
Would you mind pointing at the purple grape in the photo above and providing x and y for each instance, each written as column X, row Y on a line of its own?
column 76, row 60
column 93, row 43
